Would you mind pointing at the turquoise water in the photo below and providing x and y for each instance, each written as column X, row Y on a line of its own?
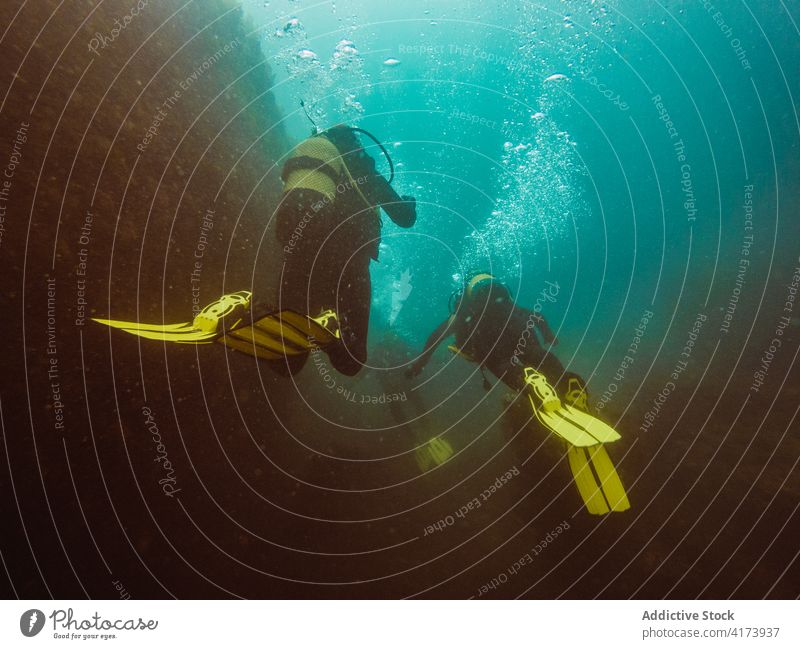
column 603, row 147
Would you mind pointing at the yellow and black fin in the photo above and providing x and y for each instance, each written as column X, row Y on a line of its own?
column 273, row 336
column 285, row 333
column 572, row 425
column 597, row 480
column 460, row 352
column 433, row 453
column 595, row 477
column 206, row 327
column 585, row 481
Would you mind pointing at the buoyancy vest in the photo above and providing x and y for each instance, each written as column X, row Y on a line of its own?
column 314, row 164
column 318, row 164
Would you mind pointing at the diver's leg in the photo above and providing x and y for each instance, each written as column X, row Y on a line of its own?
column 511, row 369
column 295, row 258
column 293, row 289
column 548, row 364
column 297, row 212
column 288, row 366
column 300, row 228
column 352, row 308
column 542, row 361
column 505, row 371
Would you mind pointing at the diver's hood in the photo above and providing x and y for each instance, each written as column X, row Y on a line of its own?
column 476, row 279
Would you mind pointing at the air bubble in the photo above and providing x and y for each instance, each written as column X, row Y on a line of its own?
column 307, row 55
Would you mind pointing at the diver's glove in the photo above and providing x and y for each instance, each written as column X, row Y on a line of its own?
column 410, row 204
column 403, row 212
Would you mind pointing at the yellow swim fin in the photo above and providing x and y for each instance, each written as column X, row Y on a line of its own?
column 576, row 395
column 271, row 337
column 572, row 425
column 564, row 428
column 460, row 352
column 585, row 481
column 433, row 453
column 145, row 328
column 597, row 480
column 285, row 333
column 610, row 483
column 187, row 335
column 595, row 477
column 595, row 427
column 205, row 328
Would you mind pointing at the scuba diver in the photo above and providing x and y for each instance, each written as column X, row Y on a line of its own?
column 489, row 326
column 329, row 225
column 328, row 222
column 491, row 330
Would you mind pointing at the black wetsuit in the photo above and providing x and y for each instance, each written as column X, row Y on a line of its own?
column 327, row 265
column 499, row 335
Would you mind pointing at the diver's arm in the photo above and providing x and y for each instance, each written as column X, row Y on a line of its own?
column 439, row 334
column 401, row 209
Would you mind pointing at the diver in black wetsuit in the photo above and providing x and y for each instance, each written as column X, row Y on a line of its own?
column 329, row 225
column 491, row 330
